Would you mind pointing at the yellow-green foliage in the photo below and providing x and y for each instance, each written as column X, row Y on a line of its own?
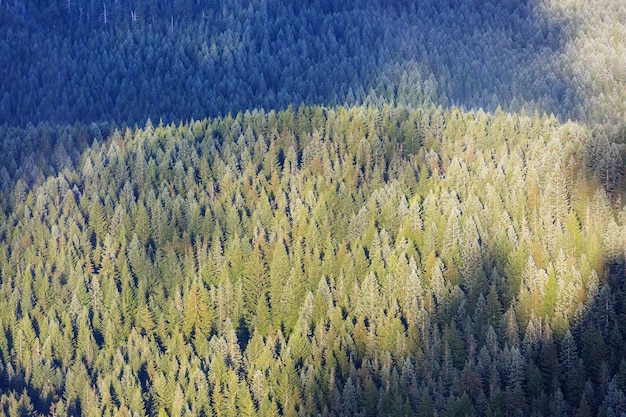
column 329, row 261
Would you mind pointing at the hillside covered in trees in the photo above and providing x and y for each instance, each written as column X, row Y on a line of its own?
column 272, row 208
column 348, row 261
column 126, row 61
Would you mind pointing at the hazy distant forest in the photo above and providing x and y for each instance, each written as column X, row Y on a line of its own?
column 328, row 208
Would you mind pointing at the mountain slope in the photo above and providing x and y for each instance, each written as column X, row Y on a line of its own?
column 183, row 60
column 342, row 261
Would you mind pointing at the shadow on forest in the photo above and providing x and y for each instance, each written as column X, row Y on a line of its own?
column 465, row 53
column 428, row 56
column 469, row 54
column 558, row 374
column 591, row 371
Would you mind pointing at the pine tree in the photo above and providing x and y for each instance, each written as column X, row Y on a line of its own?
column 279, row 274
column 615, row 400
column 494, row 307
column 97, row 220
column 197, row 314
column 245, row 405
column 572, row 369
column 510, row 327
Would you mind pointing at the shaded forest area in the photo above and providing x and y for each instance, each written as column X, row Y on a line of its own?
column 348, row 261
column 126, row 61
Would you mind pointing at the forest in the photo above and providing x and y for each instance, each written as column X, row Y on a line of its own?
column 129, row 61
column 272, row 208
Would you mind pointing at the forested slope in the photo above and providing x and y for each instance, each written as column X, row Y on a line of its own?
column 346, row 261
column 258, row 207
column 124, row 62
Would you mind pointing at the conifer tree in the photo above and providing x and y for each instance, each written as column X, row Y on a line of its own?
column 197, row 314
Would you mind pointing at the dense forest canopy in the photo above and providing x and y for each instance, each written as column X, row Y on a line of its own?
column 337, row 261
column 347, row 261
column 239, row 208
column 126, row 61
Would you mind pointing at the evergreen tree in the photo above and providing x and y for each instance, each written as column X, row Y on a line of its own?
column 197, row 314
